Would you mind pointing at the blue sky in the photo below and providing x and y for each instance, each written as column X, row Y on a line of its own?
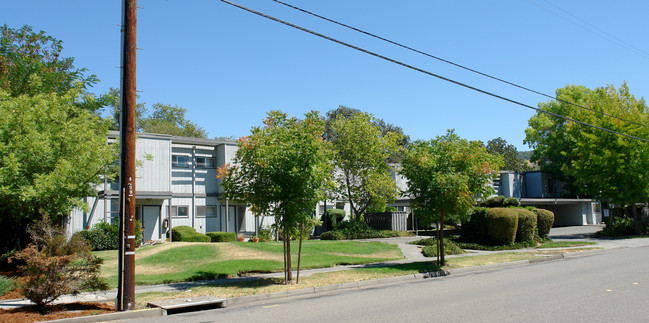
column 228, row 67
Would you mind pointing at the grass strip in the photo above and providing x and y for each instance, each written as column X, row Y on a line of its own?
column 272, row 285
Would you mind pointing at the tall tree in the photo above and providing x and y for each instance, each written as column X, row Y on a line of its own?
column 499, row 146
column 280, row 170
column 445, row 176
column 162, row 118
column 52, row 154
column 31, row 63
column 384, row 128
column 361, row 152
column 596, row 163
column 170, row 119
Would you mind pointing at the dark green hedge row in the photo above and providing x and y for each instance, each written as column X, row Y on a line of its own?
column 221, row 236
column 501, row 226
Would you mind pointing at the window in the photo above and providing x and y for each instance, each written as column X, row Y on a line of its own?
column 205, row 162
column 208, row 211
column 179, row 161
column 180, row 211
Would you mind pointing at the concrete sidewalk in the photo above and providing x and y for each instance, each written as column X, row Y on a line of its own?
column 412, row 253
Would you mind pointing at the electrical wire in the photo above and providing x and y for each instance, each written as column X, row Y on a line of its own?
column 456, row 64
column 427, row 72
column 591, row 28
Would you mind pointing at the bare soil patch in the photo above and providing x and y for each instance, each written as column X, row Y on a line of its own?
column 55, row 312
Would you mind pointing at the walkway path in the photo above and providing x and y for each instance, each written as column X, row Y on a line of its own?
column 412, row 253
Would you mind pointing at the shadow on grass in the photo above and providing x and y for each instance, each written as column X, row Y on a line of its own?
column 420, row 267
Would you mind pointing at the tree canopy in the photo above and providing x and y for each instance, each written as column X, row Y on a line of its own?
column 31, row 63
column 593, row 162
column 499, row 146
column 281, row 170
column 361, row 152
column 445, row 175
column 52, row 154
column 384, row 128
column 161, row 118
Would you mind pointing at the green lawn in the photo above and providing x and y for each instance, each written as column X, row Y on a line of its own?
column 178, row 261
column 565, row 244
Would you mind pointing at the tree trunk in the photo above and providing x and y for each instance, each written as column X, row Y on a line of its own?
column 284, row 250
column 288, row 259
column 441, row 234
column 299, row 253
column 437, row 237
column 636, row 221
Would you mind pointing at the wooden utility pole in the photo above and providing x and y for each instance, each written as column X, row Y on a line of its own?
column 126, row 280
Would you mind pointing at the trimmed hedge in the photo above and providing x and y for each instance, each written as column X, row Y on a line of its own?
column 475, row 229
column 494, row 201
column 544, row 221
column 511, row 202
column 217, row 236
column 526, row 225
column 188, row 234
column 501, row 225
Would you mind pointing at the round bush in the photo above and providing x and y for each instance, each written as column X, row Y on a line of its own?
column 544, row 221
column 501, row 225
column 475, row 228
column 526, row 225
column 495, row 201
column 188, row 234
column 511, row 202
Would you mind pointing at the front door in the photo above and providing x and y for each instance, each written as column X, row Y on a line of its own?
column 151, row 223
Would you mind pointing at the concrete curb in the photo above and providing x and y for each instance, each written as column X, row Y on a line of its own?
column 243, row 300
column 135, row 314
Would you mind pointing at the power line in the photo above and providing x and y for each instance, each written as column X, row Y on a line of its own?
column 591, row 28
column 456, row 64
column 427, row 72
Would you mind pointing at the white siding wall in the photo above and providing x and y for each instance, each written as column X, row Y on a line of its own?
column 153, row 174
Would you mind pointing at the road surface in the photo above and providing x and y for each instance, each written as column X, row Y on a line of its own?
column 606, row 287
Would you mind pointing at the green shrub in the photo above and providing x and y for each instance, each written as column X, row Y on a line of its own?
column 221, row 236
column 188, row 234
column 475, row 228
column 105, row 236
column 334, row 217
column 511, row 202
column 332, row 235
column 501, row 225
column 620, row 226
column 495, row 201
column 450, row 248
column 526, row 225
column 544, row 221
column 424, row 242
column 6, row 284
column 265, row 235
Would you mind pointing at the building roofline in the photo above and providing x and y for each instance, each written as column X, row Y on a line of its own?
column 178, row 139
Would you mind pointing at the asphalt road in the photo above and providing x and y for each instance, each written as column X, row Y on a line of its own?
column 606, row 287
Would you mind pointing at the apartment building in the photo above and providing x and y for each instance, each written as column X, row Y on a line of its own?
column 175, row 185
